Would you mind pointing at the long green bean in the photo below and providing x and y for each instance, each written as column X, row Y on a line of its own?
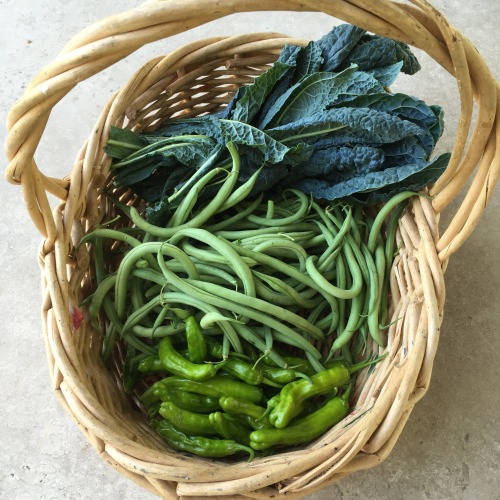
column 298, row 215
column 240, row 214
column 381, row 216
column 287, row 290
column 332, row 289
column 240, row 194
column 204, row 214
column 240, row 267
column 131, row 258
column 389, row 257
column 185, row 207
column 373, row 317
column 195, row 290
column 259, row 304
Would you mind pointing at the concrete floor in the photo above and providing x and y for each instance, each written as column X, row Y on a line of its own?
column 450, row 448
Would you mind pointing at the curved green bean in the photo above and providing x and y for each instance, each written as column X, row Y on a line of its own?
column 224, row 248
column 97, row 299
column 286, row 290
column 259, row 304
column 240, row 214
column 136, row 253
column 332, row 289
column 183, row 211
column 389, row 258
column 188, row 287
column 291, row 230
column 298, row 215
column 204, row 214
column 381, row 216
column 373, row 317
column 240, row 194
column 352, row 322
column 284, row 245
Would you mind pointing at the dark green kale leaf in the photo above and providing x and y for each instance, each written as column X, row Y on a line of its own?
column 337, row 44
column 339, row 163
column 386, row 75
column 248, row 105
column 375, row 51
column 206, row 125
column 430, row 119
column 271, row 151
column 390, row 180
column 316, row 92
column 188, row 152
column 123, row 142
column 371, row 125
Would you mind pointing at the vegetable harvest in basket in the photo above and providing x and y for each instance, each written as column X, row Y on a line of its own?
column 257, row 284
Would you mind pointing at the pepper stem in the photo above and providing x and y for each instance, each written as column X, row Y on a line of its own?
column 248, row 450
column 303, row 375
column 347, row 393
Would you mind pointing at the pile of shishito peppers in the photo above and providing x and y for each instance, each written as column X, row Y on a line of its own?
column 217, row 409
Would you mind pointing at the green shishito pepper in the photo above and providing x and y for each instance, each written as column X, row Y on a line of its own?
column 214, row 348
column 215, row 387
column 187, row 421
column 244, row 371
column 304, row 429
column 281, row 376
column 197, row 403
column 199, row 445
column 287, row 404
column 229, row 428
column 197, row 347
column 151, row 364
column 194, row 402
column 178, row 365
column 295, row 364
column 254, row 415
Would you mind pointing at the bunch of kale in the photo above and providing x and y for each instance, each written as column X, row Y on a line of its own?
column 320, row 120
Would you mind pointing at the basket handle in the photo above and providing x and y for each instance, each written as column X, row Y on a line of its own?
column 110, row 40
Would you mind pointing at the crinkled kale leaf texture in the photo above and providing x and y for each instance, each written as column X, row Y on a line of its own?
column 320, row 119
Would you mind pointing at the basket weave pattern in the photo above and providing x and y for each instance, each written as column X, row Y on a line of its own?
column 199, row 78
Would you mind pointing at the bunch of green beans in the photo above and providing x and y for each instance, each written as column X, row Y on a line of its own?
column 265, row 278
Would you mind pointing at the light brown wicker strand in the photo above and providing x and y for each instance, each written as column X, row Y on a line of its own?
column 472, row 195
column 478, row 208
column 389, row 393
column 166, row 489
column 137, row 478
column 97, row 444
column 331, row 467
column 432, row 258
column 491, row 89
column 126, row 42
column 55, row 375
column 327, row 468
column 166, row 63
column 465, row 87
column 387, row 427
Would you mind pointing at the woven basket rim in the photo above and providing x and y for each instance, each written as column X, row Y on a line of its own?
column 418, row 276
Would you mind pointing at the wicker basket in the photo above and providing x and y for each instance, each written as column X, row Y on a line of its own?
column 198, row 78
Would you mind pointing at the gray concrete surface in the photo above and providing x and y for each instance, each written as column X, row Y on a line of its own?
column 450, row 448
